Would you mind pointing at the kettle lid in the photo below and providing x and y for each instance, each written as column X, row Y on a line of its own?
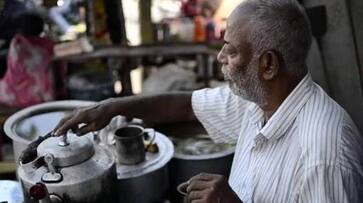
column 67, row 150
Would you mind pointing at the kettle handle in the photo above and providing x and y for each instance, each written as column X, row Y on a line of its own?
column 30, row 153
column 63, row 141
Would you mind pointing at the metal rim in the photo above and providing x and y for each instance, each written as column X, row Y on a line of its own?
column 224, row 153
column 142, row 131
column 36, row 109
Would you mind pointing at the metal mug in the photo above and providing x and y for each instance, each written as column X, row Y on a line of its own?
column 182, row 189
column 130, row 144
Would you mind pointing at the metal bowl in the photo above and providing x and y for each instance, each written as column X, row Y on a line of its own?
column 27, row 124
column 182, row 168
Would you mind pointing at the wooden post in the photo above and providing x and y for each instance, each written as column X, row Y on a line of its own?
column 146, row 29
column 115, row 21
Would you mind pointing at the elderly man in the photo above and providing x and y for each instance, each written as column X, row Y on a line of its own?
column 294, row 143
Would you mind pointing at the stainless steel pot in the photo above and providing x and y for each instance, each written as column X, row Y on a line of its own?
column 68, row 169
column 28, row 124
column 148, row 181
column 184, row 166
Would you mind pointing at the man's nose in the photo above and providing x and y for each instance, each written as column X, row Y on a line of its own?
column 221, row 57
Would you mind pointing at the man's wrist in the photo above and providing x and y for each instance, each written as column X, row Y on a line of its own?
column 108, row 106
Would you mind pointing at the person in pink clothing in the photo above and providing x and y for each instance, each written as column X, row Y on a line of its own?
column 28, row 79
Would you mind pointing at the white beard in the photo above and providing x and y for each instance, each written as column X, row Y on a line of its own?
column 246, row 85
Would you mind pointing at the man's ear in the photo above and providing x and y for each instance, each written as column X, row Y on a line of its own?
column 269, row 64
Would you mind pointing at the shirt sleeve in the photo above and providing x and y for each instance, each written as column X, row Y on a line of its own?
column 331, row 184
column 342, row 182
column 220, row 111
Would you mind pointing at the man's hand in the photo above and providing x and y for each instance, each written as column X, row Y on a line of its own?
column 94, row 118
column 210, row 188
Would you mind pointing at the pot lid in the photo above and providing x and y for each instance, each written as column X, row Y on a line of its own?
column 67, row 150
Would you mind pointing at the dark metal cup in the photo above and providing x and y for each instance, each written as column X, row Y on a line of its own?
column 130, row 145
column 182, row 189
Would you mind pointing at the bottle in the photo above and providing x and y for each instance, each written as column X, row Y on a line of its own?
column 199, row 29
column 210, row 30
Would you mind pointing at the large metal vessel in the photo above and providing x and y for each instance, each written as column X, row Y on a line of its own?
column 147, row 182
column 188, row 161
column 68, row 169
column 28, row 124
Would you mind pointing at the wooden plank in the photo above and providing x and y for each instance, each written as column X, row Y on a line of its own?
column 7, row 167
column 341, row 58
column 139, row 51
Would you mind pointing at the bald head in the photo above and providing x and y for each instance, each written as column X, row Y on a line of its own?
column 279, row 25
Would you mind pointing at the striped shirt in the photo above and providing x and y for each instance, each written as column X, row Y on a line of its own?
column 308, row 151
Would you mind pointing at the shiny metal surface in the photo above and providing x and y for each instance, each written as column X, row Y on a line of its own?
column 148, row 181
column 153, row 162
column 78, row 150
column 63, row 141
column 26, row 125
column 93, row 180
column 151, row 187
column 182, row 167
column 87, row 170
column 130, row 144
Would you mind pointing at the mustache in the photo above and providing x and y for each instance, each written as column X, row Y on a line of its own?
column 225, row 75
column 223, row 70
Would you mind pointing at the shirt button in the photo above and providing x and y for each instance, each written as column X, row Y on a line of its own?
column 259, row 139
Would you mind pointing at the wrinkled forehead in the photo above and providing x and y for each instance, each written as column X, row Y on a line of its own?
column 238, row 26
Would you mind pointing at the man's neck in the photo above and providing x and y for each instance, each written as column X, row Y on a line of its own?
column 279, row 91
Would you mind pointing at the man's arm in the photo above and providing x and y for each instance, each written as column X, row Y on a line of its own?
column 159, row 108
column 341, row 180
column 331, row 184
column 156, row 108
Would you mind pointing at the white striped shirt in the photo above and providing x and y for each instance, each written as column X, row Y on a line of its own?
column 308, row 151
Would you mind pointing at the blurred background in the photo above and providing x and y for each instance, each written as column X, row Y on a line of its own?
column 91, row 50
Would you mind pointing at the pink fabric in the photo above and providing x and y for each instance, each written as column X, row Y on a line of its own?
column 28, row 79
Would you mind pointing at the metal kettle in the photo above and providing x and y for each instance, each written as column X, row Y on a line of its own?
column 67, row 169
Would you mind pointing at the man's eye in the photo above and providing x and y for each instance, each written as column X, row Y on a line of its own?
column 232, row 53
column 230, row 50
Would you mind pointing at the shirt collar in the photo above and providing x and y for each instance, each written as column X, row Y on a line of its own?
column 282, row 119
column 256, row 114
